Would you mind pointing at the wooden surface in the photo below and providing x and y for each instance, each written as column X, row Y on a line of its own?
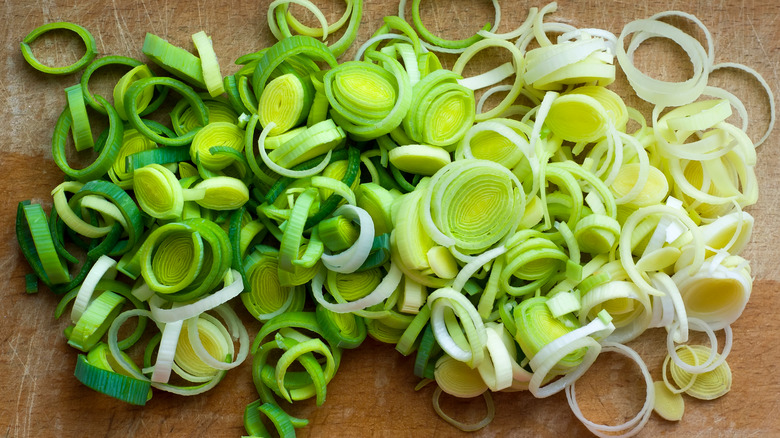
column 373, row 392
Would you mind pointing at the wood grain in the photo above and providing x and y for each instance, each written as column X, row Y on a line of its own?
column 373, row 392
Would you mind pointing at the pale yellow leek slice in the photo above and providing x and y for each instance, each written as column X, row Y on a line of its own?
column 419, row 159
column 668, row 405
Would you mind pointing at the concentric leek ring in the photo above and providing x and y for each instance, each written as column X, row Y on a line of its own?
column 536, row 327
column 442, row 110
column 183, row 260
column 351, row 287
column 265, row 297
column 158, row 192
column 368, row 100
column 285, row 50
column 283, row 102
column 216, row 134
column 214, row 339
column 176, row 260
column 473, row 204
column 132, row 142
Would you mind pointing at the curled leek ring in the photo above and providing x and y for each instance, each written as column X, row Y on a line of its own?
column 536, row 259
column 351, row 259
column 382, row 292
column 86, row 37
column 127, row 209
column 185, row 117
column 138, row 72
column 93, row 67
column 195, row 101
column 312, row 142
column 353, row 12
column 443, row 43
column 345, row 330
column 517, row 61
column 108, row 152
column 464, row 337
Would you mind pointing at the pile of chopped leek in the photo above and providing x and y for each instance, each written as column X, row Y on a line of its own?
column 504, row 247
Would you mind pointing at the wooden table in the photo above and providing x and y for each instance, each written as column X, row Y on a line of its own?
column 373, row 392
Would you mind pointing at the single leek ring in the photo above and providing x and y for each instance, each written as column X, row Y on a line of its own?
column 131, row 109
column 125, row 388
column 108, row 152
column 212, row 78
column 440, row 42
column 633, row 425
column 138, row 72
column 82, row 133
column 89, row 45
column 93, row 67
column 175, row 60
column 95, row 320
column 54, row 269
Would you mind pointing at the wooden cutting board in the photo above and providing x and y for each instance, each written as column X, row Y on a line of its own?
column 373, row 393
